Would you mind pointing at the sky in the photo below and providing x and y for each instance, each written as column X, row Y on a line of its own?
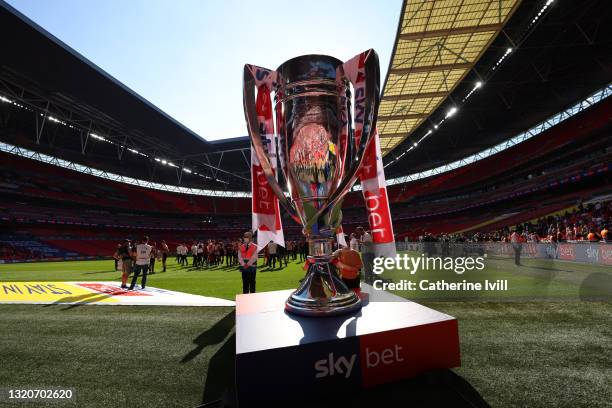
column 187, row 56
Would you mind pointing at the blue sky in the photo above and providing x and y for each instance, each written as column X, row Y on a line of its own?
column 186, row 56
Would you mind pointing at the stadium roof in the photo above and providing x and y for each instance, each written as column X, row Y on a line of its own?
column 548, row 56
column 437, row 44
column 46, row 77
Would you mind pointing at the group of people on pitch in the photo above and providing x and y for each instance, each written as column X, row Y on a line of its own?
column 139, row 258
column 211, row 253
column 274, row 253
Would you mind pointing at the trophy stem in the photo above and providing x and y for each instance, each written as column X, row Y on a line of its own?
column 322, row 292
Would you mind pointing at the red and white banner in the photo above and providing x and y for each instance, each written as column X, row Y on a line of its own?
column 264, row 203
column 374, row 189
column 372, row 174
column 265, row 207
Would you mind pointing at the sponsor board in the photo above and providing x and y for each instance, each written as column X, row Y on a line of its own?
column 566, row 252
column 592, row 253
column 585, row 252
column 98, row 293
column 606, row 254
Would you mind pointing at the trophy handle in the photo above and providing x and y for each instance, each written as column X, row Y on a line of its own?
column 371, row 101
column 253, row 77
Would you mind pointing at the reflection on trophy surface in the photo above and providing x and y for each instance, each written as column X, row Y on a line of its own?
column 312, row 157
column 320, row 151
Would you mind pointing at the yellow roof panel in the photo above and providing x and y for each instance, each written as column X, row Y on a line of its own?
column 437, row 45
column 407, row 106
column 386, row 127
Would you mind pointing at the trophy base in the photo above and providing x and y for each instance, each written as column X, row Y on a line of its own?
column 286, row 360
column 322, row 293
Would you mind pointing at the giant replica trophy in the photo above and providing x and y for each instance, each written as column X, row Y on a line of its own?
column 322, row 136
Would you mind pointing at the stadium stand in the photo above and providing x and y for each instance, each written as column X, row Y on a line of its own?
column 35, row 179
column 49, row 212
column 18, row 247
column 56, row 219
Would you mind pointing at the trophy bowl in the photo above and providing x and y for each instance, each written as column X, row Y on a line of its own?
column 321, row 137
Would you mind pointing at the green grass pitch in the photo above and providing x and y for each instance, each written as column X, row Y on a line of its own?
column 517, row 349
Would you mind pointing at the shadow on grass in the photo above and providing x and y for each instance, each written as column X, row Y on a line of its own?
column 597, row 286
column 96, row 273
column 79, row 300
column 220, row 376
column 441, row 388
column 215, row 335
column 269, row 269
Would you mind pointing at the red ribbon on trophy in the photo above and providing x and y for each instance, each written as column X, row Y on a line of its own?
column 374, row 189
column 265, row 207
column 372, row 173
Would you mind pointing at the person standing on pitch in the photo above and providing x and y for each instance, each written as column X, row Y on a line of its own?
column 517, row 244
column 152, row 260
column 367, row 253
column 143, row 257
column 272, row 250
column 182, row 254
column 124, row 253
column 194, row 253
column 117, row 259
column 354, row 242
column 164, row 254
column 247, row 259
column 179, row 254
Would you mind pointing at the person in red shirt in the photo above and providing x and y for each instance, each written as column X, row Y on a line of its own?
column 247, row 259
